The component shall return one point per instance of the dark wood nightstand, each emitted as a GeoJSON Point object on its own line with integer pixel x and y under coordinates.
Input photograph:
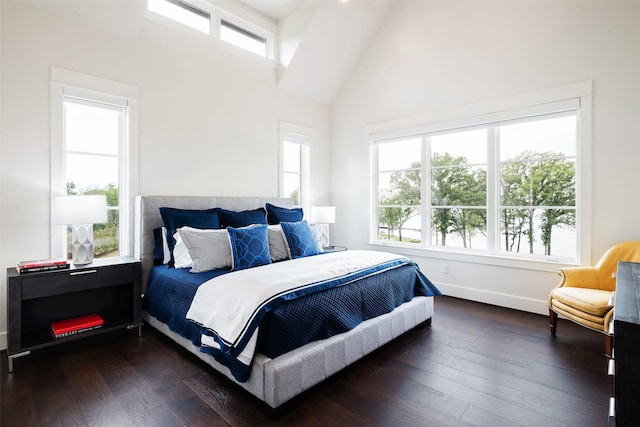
{"type": "Point", "coordinates": [109, 287]}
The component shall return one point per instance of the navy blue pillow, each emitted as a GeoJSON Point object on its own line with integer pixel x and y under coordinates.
{"type": "Point", "coordinates": [158, 249]}
{"type": "Point", "coordinates": [277, 214]}
{"type": "Point", "coordinates": [174, 218]}
{"type": "Point", "coordinates": [249, 246]}
{"type": "Point", "coordinates": [242, 219]}
{"type": "Point", "coordinates": [299, 239]}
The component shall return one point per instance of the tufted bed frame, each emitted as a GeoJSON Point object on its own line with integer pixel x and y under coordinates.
{"type": "Point", "coordinates": [276, 381]}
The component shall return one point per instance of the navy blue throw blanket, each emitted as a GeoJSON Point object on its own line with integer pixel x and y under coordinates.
{"type": "Point", "coordinates": [289, 325]}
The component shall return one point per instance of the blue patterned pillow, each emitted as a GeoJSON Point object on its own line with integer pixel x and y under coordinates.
{"type": "Point", "coordinates": [174, 218]}
{"type": "Point", "coordinates": [249, 246]}
{"type": "Point", "coordinates": [299, 239]}
{"type": "Point", "coordinates": [241, 219]}
{"type": "Point", "coordinates": [276, 214]}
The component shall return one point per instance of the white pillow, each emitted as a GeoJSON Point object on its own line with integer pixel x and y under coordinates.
{"type": "Point", "coordinates": [166, 254]}
{"type": "Point", "coordinates": [209, 249]}
{"type": "Point", "coordinates": [317, 236]}
{"type": "Point", "coordinates": [181, 257]}
{"type": "Point", "coordinates": [277, 244]}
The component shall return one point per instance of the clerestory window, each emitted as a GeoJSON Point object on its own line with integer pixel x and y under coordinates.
{"type": "Point", "coordinates": [256, 37]}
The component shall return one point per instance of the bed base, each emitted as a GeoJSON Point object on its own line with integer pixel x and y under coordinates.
{"type": "Point", "coordinates": [275, 381]}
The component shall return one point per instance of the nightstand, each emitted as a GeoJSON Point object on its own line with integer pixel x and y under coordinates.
{"type": "Point", "coordinates": [109, 287]}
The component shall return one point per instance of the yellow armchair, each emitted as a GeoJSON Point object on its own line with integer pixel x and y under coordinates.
{"type": "Point", "coordinates": [584, 293]}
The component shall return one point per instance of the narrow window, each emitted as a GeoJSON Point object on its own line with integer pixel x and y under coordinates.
{"type": "Point", "coordinates": [243, 38]}
{"type": "Point", "coordinates": [94, 151]}
{"type": "Point", "coordinates": [399, 190]}
{"type": "Point", "coordinates": [459, 189]}
{"type": "Point", "coordinates": [93, 133]}
{"type": "Point", "coordinates": [182, 12]}
{"type": "Point", "coordinates": [294, 163]}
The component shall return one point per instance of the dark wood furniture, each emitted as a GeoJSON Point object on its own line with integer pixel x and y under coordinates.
{"type": "Point", "coordinates": [626, 341]}
{"type": "Point", "coordinates": [110, 287]}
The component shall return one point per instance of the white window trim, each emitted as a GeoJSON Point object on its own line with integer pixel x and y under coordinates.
{"type": "Point", "coordinates": [302, 135]}
{"type": "Point", "coordinates": [496, 110]}
{"type": "Point", "coordinates": [235, 14]}
{"type": "Point", "coordinates": [65, 82]}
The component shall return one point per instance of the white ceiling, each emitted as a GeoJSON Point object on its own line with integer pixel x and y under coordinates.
{"type": "Point", "coordinates": [331, 34]}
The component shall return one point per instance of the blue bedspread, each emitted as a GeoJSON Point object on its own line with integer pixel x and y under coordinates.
{"type": "Point", "coordinates": [289, 325]}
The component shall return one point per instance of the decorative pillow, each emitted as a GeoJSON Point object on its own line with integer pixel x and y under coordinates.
{"type": "Point", "coordinates": [317, 236]}
{"type": "Point", "coordinates": [243, 218]}
{"type": "Point", "coordinates": [174, 218]}
{"type": "Point", "coordinates": [181, 257]}
{"type": "Point", "coordinates": [209, 249]}
{"type": "Point", "coordinates": [161, 253]}
{"type": "Point", "coordinates": [277, 244]}
{"type": "Point", "coordinates": [277, 214]}
{"type": "Point", "coordinates": [249, 246]}
{"type": "Point", "coordinates": [300, 242]}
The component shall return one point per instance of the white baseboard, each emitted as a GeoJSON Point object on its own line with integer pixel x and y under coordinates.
{"type": "Point", "coordinates": [495, 298]}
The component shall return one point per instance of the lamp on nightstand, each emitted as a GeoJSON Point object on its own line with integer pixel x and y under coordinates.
{"type": "Point", "coordinates": [322, 216]}
{"type": "Point", "coordinates": [81, 212]}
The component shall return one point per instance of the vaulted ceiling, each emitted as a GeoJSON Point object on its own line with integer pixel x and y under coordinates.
{"type": "Point", "coordinates": [320, 40]}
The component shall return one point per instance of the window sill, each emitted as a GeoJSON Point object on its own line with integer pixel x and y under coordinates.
{"type": "Point", "coordinates": [450, 254]}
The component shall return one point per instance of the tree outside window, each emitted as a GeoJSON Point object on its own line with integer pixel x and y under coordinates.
{"type": "Point", "coordinates": [528, 166]}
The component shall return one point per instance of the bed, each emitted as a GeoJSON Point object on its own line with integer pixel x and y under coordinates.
{"type": "Point", "coordinates": [277, 371]}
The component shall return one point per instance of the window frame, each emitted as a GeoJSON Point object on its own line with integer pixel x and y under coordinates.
{"type": "Point", "coordinates": [65, 83]}
{"type": "Point", "coordinates": [477, 115]}
{"type": "Point", "coordinates": [300, 135]}
{"type": "Point", "coordinates": [236, 16]}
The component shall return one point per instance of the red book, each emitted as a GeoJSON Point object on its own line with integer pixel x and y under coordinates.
{"type": "Point", "coordinates": [62, 328]}
{"type": "Point", "coordinates": [42, 263]}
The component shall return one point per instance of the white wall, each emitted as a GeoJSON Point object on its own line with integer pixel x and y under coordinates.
{"type": "Point", "coordinates": [208, 118]}
{"type": "Point", "coordinates": [431, 56]}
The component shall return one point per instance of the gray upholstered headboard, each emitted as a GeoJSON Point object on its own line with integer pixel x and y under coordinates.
{"type": "Point", "coordinates": [147, 217]}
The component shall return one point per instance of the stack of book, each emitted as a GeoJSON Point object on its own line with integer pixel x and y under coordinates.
{"type": "Point", "coordinates": [42, 265]}
{"type": "Point", "coordinates": [64, 328]}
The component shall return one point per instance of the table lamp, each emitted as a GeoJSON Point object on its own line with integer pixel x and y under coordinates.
{"type": "Point", "coordinates": [322, 216]}
{"type": "Point", "coordinates": [81, 212]}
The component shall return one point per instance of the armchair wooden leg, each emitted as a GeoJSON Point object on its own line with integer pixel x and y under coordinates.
{"type": "Point", "coordinates": [553, 322]}
{"type": "Point", "coordinates": [608, 345]}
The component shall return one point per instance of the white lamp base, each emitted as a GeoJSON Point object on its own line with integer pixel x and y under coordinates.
{"type": "Point", "coordinates": [324, 234]}
{"type": "Point", "coordinates": [82, 244]}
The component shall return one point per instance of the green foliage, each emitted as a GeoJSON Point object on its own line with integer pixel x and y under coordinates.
{"type": "Point", "coordinates": [105, 236]}
{"type": "Point", "coordinates": [533, 183]}
{"type": "Point", "coordinates": [455, 185]}
{"type": "Point", "coordinates": [403, 202]}
{"type": "Point", "coordinates": [538, 180]}
{"type": "Point", "coordinates": [295, 196]}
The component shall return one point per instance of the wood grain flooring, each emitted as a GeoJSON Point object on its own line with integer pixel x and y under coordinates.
{"type": "Point", "coordinates": [477, 365]}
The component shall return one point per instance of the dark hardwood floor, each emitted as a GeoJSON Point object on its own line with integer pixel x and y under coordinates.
{"type": "Point", "coordinates": [477, 365]}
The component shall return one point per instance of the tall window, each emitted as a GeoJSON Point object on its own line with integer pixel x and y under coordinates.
{"type": "Point", "coordinates": [93, 148]}
{"type": "Point", "coordinates": [294, 163]}
{"type": "Point", "coordinates": [93, 138]}
{"type": "Point", "coordinates": [503, 184]}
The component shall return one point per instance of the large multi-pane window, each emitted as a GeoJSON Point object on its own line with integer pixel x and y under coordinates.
{"type": "Point", "coordinates": [506, 186]}
{"type": "Point", "coordinates": [294, 163]}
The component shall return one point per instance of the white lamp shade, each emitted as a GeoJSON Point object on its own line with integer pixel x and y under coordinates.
{"type": "Point", "coordinates": [323, 214]}
{"type": "Point", "coordinates": [89, 209]}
